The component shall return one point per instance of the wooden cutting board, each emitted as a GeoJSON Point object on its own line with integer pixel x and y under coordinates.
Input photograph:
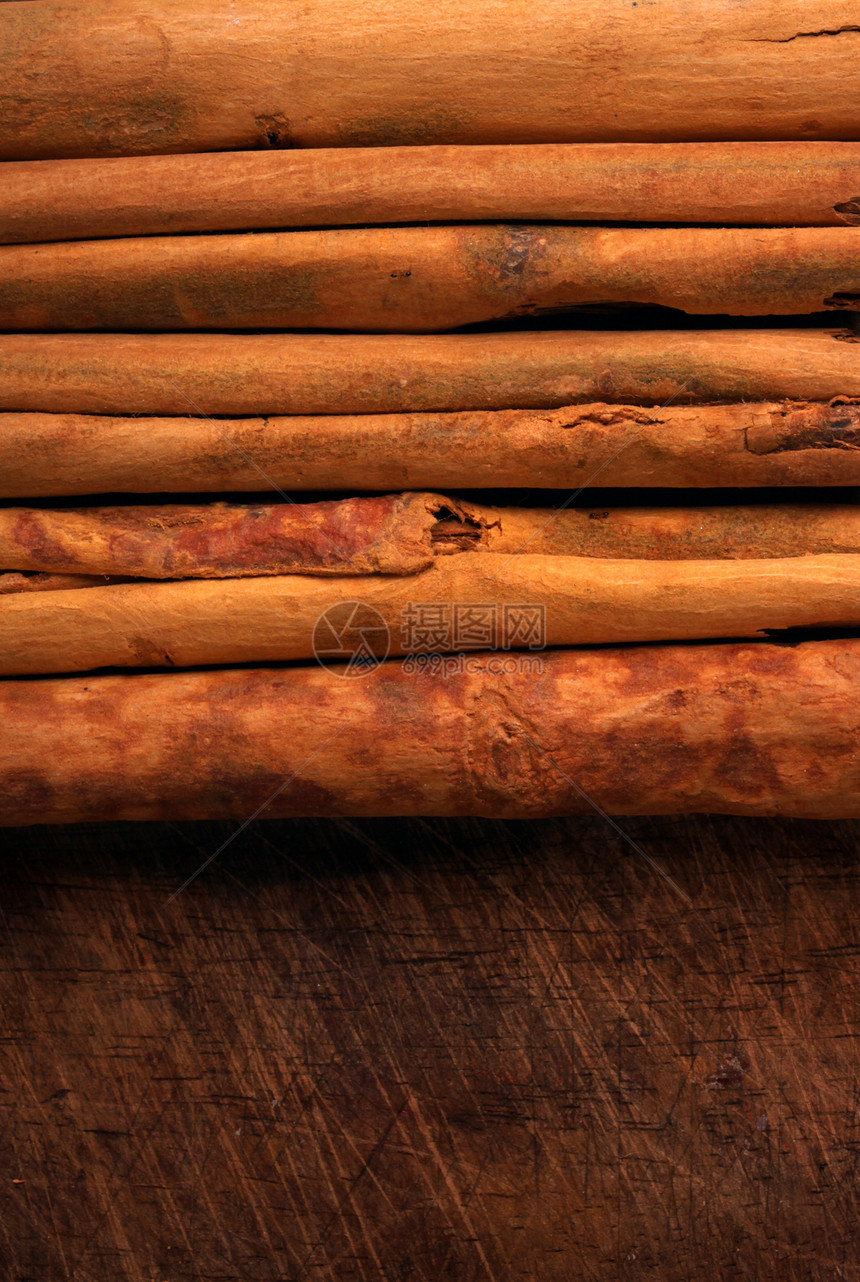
{"type": "Point", "coordinates": [430, 1049]}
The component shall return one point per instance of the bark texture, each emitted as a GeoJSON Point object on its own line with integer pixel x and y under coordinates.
{"type": "Point", "coordinates": [237, 374]}
{"type": "Point", "coordinates": [792, 184]}
{"type": "Point", "coordinates": [586, 601]}
{"type": "Point", "coordinates": [752, 729]}
{"type": "Point", "coordinates": [744, 444]}
{"type": "Point", "coordinates": [14, 581]}
{"type": "Point", "coordinates": [202, 75]}
{"type": "Point", "coordinates": [419, 279]}
{"type": "Point", "coordinates": [391, 535]}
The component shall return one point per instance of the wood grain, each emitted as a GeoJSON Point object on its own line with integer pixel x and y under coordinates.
{"type": "Point", "coordinates": [430, 1050]}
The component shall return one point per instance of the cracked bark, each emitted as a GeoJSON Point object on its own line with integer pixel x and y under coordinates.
{"type": "Point", "coordinates": [805, 35]}
{"type": "Point", "coordinates": [742, 444]}
{"type": "Point", "coordinates": [392, 535]}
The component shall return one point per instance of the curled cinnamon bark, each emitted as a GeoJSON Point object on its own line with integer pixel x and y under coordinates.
{"type": "Point", "coordinates": [198, 75]}
{"type": "Point", "coordinates": [390, 534]}
{"type": "Point", "coordinates": [744, 444]}
{"type": "Point", "coordinates": [790, 184]}
{"type": "Point", "coordinates": [398, 534]}
{"type": "Point", "coordinates": [419, 279]}
{"type": "Point", "coordinates": [238, 374]}
{"type": "Point", "coordinates": [752, 729]}
{"type": "Point", "coordinates": [571, 600]}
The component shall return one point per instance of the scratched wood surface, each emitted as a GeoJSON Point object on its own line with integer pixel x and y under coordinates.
{"type": "Point", "coordinates": [430, 1049]}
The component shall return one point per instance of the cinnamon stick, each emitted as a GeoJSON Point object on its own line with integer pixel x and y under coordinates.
{"type": "Point", "coordinates": [200, 75]}
{"type": "Point", "coordinates": [751, 729]}
{"type": "Point", "coordinates": [238, 374]}
{"type": "Point", "coordinates": [15, 581]}
{"type": "Point", "coordinates": [391, 534]}
{"type": "Point", "coordinates": [395, 535]}
{"type": "Point", "coordinates": [792, 184]}
{"type": "Point", "coordinates": [584, 601]}
{"type": "Point", "coordinates": [414, 279]}
{"type": "Point", "coordinates": [743, 444]}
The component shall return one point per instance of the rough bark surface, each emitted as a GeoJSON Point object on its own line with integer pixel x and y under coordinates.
{"type": "Point", "coordinates": [584, 600]}
{"type": "Point", "coordinates": [744, 444]}
{"type": "Point", "coordinates": [230, 374]}
{"type": "Point", "coordinates": [752, 729]}
{"type": "Point", "coordinates": [201, 75]}
{"type": "Point", "coordinates": [14, 581]}
{"type": "Point", "coordinates": [420, 279]}
{"type": "Point", "coordinates": [791, 184]}
{"type": "Point", "coordinates": [391, 535]}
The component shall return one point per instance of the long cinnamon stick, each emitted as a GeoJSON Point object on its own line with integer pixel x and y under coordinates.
{"type": "Point", "coordinates": [570, 601]}
{"type": "Point", "coordinates": [395, 534]}
{"type": "Point", "coordinates": [230, 374]}
{"type": "Point", "coordinates": [201, 75]}
{"type": "Point", "coordinates": [744, 444]}
{"type": "Point", "coordinates": [414, 279]}
{"type": "Point", "coordinates": [792, 184]}
{"type": "Point", "coordinates": [751, 729]}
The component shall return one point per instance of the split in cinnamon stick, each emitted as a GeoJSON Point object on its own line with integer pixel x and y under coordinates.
{"type": "Point", "coordinates": [572, 600]}
{"type": "Point", "coordinates": [420, 279]}
{"type": "Point", "coordinates": [395, 535]}
{"type": "Point", "coordinates": [238, 374]}
{"type": "Point", "coordinates": [203, 75]}
{"type": "Point", "coordinates": [791, 184]}
{"type": "Point", "coordinates": [743, 444]}
{"type": "Point", "coordinates": [751, 729]}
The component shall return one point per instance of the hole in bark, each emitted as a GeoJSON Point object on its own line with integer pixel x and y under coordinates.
{"type": "Point", "coordinates": [849, 210]}
{"type": "Point", "coordinates": [837, 434]}
{"type": "Point", "coordinates": [453, 528]}
{"type": "Point", "coordinates": [274, 130]}
{"type": "Point", "coordinates": [851, 301]}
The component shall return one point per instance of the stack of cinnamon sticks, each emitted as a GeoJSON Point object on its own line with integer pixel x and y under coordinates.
{"type": "Point", "coordinates": [244, 432]}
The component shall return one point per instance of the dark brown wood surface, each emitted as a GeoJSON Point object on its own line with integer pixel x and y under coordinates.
{"type": "Point", "coordinates": [430, 1049]}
